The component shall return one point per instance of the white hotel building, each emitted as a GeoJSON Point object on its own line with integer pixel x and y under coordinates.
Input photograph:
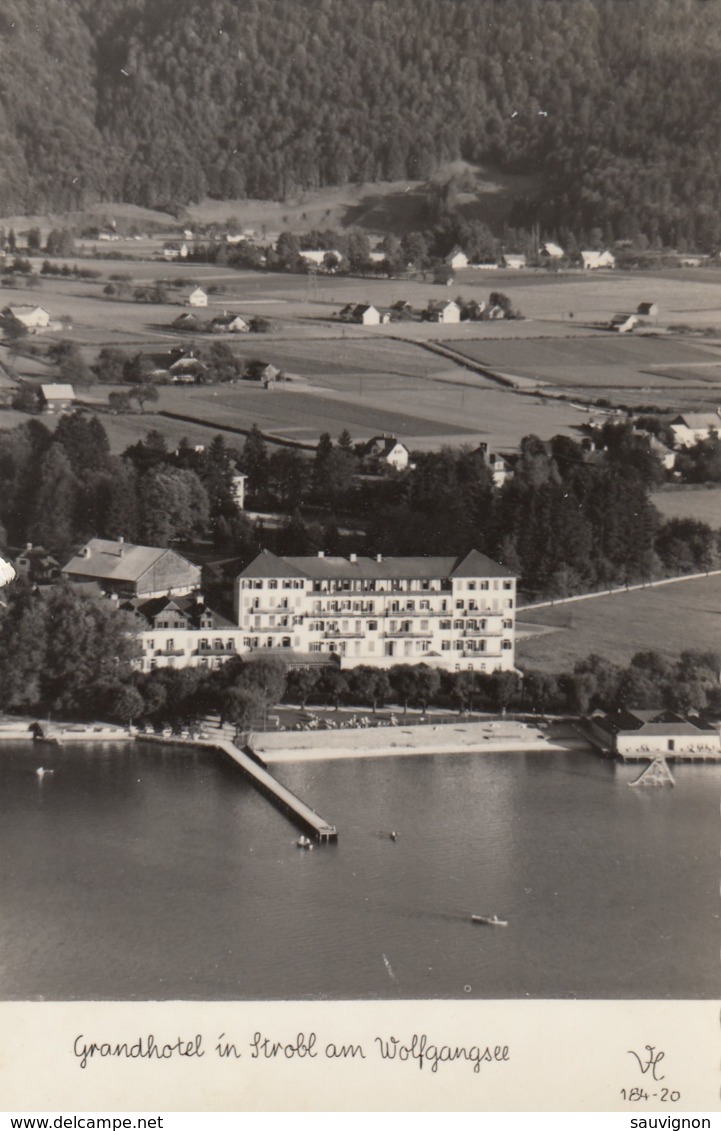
{"type": "Point", "coordinates": [454, 613]}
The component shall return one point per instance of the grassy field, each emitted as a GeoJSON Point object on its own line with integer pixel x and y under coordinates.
{"type": "Point", "coordinates": [382, 379]}
{"type": "Point", "coordinates": [669, 619]}
{"type": "Point", "coordinates": [703, 504]}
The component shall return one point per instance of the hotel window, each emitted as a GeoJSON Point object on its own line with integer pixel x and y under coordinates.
{"type": "Point", "coordinates": [203, 661]}
{"type": "Point", "coordinates": [204, 643]}
{"type": "Point", "coordinates": [314, 646]}
{"type": "Point", "coordinates": [506, 645]}
{"type": "Point", "coordinates": [372, 625]}
{"type": "Point", "coordinates": [217, 644]}
{"type": "Point", "coordinates": [508, 624]}
{"type": "Point", "coordinates": [458, 645]}
{"type": "Point", "coordinates": [410, 606]}
{"type": "Point", "coordinates": [247, 642]}
{"type": "Point", "coordinates": [508, 585]}
{"type": "Point", "coordinates": [446, 624]}
{"type": "Point", "coordinates": [459, 604]}
{"type": "Point", "coordinates": [149, 645]}
{"type": "Point", "coordinates": [424, 626]}
{"type": "Point", "coordinates": [153, 664]}
{"type": "Point", "coordinates": [344, 625]}
{"type": "Point", "coordinates": [445, 646]}
{"type": "Point", "coordinates": [273, 584]}
{"type": "Point", "coordinates": [484, 585]}
{"type": "Point", "coordinates": [458, 624]}
{"type": "Point", "coordinates": [471, 585]}
{"type": "Point", "coordinates": [508, 604]}
{"type": "Point", "coordinates": [425, 605]}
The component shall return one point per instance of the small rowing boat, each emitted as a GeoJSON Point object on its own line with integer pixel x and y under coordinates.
{"type": "Point", "coordinates": [489, 920]}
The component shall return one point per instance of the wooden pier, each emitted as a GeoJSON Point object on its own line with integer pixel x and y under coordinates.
{"type": "Point", "coordinates": [283, 798]}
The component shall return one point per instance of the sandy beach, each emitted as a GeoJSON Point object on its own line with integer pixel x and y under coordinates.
{"type": "Point", "coordinates": [443, 738]}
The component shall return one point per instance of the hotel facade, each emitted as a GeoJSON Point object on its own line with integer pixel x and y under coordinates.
{"type": "Point", "coordinates": [448, 612]}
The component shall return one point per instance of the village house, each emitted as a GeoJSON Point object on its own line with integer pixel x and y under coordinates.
{"type": "Point", "coordinates": [56, 398]}
{"type": "Point", "coordinates": [457, 259]}
{"type": "Point", "coordinates": [550, 250]}
{"type": "Point", "coordinates": [37, 565]}
{"type": "Point", "coordinates": [191, 323]}
{"type": "Point", "coordinates": [382, 452]}
{"type": "Point", "coordinates": [456, 613]}
{"type": "Point", "coordinates": [663, 453]}
{"type": "Point", "coordinates": [363, 314]}
{"type": "Point", "coordinates": [183, 632]}
{"type": "Point", "coordinates": [401, 311]}
{"type": "Point", "coordinates": [238, 483]}
{"type": "Point", "coordinates": [500, 467]}
{"type": "Point", "coordinates": [623, 323]}
{"type": "Point", "coordinates": [446, 312]}
{"type": "Point", "coordinates": [636, 735]}
{"type": "Point", "coordinates": [514, 262]}
{"type": "Point", "coordinates": [195, 297]}
{"type": "Point", "coordinates": [647, 310]}
{"type": "Point", "coordinates": [228, 324]}
{"type": "Point", "coordinates": [132, 571]}
{"type": "Point", "coordinates": [33, 318]}
{"type": "Point", "coordinates": [175, 251]}
{"type": "Point", "coordinates": [594, 260]}
{"type": "Point", "coordinates": [690, 427]}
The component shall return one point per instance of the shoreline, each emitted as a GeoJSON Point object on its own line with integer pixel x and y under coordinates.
{"type": "Point", "coordinates": [383, 742]}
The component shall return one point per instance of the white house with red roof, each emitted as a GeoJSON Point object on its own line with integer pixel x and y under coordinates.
{"type": "Point", "coordinates": [456, 613]}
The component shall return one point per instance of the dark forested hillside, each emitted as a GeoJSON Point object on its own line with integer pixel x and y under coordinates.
{"type": "Point", "coordinates": [160, 102]}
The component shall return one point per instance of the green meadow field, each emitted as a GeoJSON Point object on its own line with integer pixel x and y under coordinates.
{"type": "Point", "coordinates": [668, 619]}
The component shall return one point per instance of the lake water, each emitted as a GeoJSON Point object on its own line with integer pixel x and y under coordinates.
{"type": "Point", "coordinates": [160, 873]}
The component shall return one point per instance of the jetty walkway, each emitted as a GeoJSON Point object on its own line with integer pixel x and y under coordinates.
{"type": "Point", "coordinates": [283, 798]}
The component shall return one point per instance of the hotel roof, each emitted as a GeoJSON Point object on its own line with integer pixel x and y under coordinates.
{"type": "Point", "coordinates": [473, 564]}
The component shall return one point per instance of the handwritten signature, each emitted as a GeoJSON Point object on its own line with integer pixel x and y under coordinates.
{"type": "Point", "coordinates": [649, 1061]}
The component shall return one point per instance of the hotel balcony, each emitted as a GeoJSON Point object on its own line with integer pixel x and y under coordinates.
{"type": "Point", "coordinates": [170, 651]}
{"type": "Point", "coordinates": [211, 650]}
{"type": "Point", "coordinates": [352, 633]}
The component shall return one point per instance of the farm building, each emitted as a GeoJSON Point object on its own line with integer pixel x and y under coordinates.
{"type": "Point", "coordinates": [456, 613]}
{"type": "Point", "coordinates": [133, 571]}
{"type": "Point", "coordinates": [457, 259]}
{"type": "Point", "coordinates": [188, 321]}
{"type": "Point", "coordinates": [56, 398]}
{"type": "Point", "coordinates": [362, 313]}
{"type": "Point", "coordinates": [690, 427]}
{"type": "Point", "coordinates": [514, 262]}
{"type": "Point", "coordinates": [385, 451]}
{"type": "Point", "coordinates": [445, 312]}
{"type": "Point", "coordinates": [401, 311]}
{"type": "Point", "coordinates": [593, 260]}
{"type": "Point", "coordinates": [229, 324]}
{"type": "Point", "coordinates": [642, 735]}
{"type": "Point", "coordinates": [31, 317]}
{"type": "Point", "coordinates": [623, 323]}
{"type": "Point", "coordinates": [550, 250]}
{"type": "Point", "coordinates": [647, 310]}
{"type": "Point", "coordinates": [195, 297]}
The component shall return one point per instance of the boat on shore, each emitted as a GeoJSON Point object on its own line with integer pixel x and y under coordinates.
{"type": "Point", "coordinates": [489, 920]}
